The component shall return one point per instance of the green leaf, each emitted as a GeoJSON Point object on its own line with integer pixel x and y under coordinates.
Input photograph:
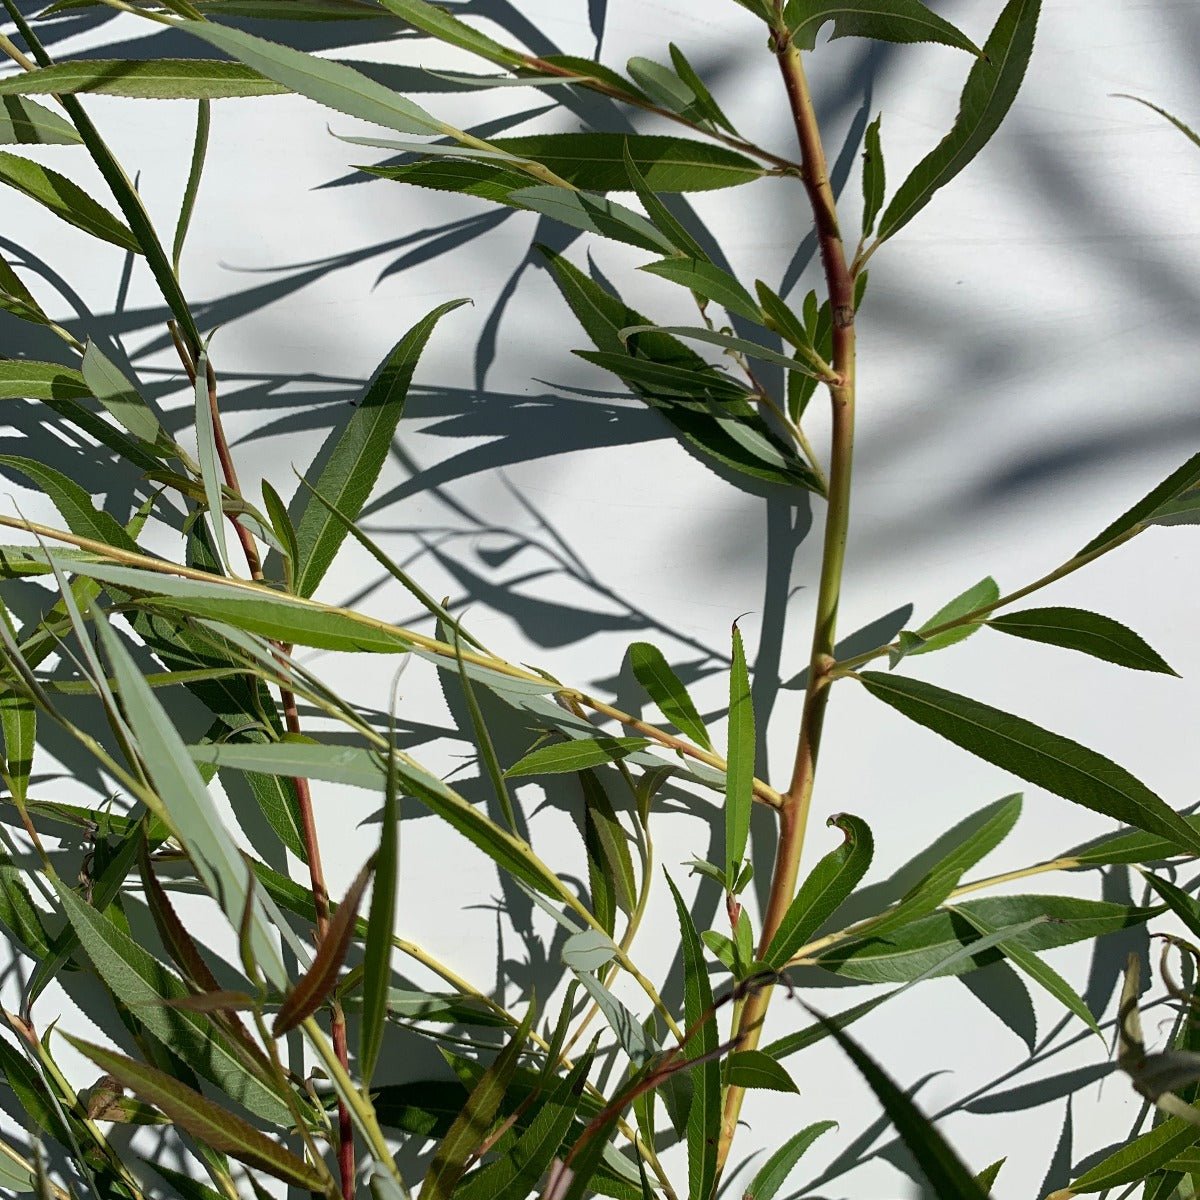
{"type": "Point", "coordinates": [566, 757]}
{"type": "Point", "coordinates": [983, 594]}
{"type": "Point", "coordinates": [699, 384]}
{"type": "Point", "coordinates": [988, 94]}
{"type": "Point", "coordinates": [471, 1125]}
{"type": "Point", "coordinates": [772, 1175]}
{"type": "Point", "coordinates": [144, 79]}
{"type": "Point", "coordinates": [332, 84]}
{"type": "Point", "coordinates": [588, 950]}
{"type": "Point", "coordinates": [1087, 632]}
{"type": "Point", "coordinates": [730, 433]}
{"type": "Point", "coordinates": [727, 342]}
{"type": "Point", "coordinates": [662, 85]}
{"type": "Point", "coordinates": [252, 608]}
{"type": "Point", "coordinates": [660, 215]}
{"type": "Point", "coordinates": [595, 162]}
{"type": "Point", "coordinates": [310, 991]}
{"type": "Point", "coordinates": [487, 180]}
{"type": "Point", "coordinates": [1046, 759]}
{"type": "Point", "coordinates": [873, 177]}
{"type": "Point", "coordinates": [666, 689]}
{"type": "Point", "coordinates": [381, 922]}
{"type": "Point", "coordinates": [943, 1168]}
{"type": "Point", "coordinates": [144, 986]}
{"type": "Point", "coordinates": [822, 893]}
{"type": "Point", "coordinates": [356, 454]}
{"type": "Point", "coordinates": [66, 200]}
{"type": "Point", "coordinates": [703, 105]}
{"type": "Point", "coordinates": [101, 378]}
{"type": "Point", "coordinates": [709, 281]}
{"type": "Point", "coordinates": [882, 20]}
{"type": "Point", "coordinates": [73, 503]}
{"type": "Point", "coordinates": [987, 1177]}
{"type": "Point", "coordinates": [438, 23]}
{"type": "Point", "coordinates": [1185, 907]}
{"type": "Point", "coordinates": [1186, 130]}
{"type": "Point", "coordinates": [924, 943]}
{"type": "Point", "coordinates": [209, 1123]}
{"type": "Point", "coordinates": [739, 773]}
{"type": "Point", "coordinates": [1126, 847]}
{"type": "Point", "coordinates": [1049, 979]}
{"type": "Point", "coordinates": [784, 322]}
{"type": "Point", "coordinates": [210, 469]}
{"type": "Point", "coordinates": [703, 1036]}
{"type": "Point", "coordinates": [971, 840]}
{"type": "Point", "coordinates": [940, 965]}
{"type": "Point", "coordinates": [1157, 506]}
{"type": "Point", "coordinates": [1136, 1159]}
{"type": "Point", "coordinates": [185, 806]}
{"type": "Point", "coordinates": [754, 1069]}
{"type": "Point", "coordinates": [592, 214]}
{"type": "Point", "coordinates": [609, 862]}
{"type": "Point", "coordinates": [27, 123]}
{"type": "Point", "coordinates": [516, 1174]}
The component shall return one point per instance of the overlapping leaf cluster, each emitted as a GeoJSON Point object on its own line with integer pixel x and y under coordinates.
{"type": "Point", "coordinates": [250, 1064]}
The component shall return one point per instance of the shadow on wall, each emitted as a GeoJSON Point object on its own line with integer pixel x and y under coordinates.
{"type": "Point", "coordinates": [501, 430]}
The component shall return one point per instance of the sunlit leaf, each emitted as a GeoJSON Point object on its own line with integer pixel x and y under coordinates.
{"type": "Point", "coordinates": [1047, 759]}
{"type": "Point", "coordinates": [987, 96]}
{"type": "Point", "coordinates": [704, 1115]}
{"type": "Point", "coordinates": [27, 123]}
{"type": "Point", "coordinates": [143, 79]}
{"type": "Point", "coordinates": [754, 1069]}
{"type": "Point", "coordinates": [310, 991]}
{"type": "Point", "coordinates": [66, 200]}
{"type": "Point", "coordinates": [667, 690]}
{"type": "Point", "coordinates": [829, 883]}
{"type": "Point", "coordinates": [1180, 490]}
{"type": "Point", "coordinates": [739, 775]}
{"type": "Point", "coordinates": [354, 456]}
{"type": "Point", "coordinates": [883, 20]}
{"type": "Point", "coordinates": [211, 1124]}
{"type": "Point", "coordinates": [563, 757]}
{"type": "Point", "coordinates": [773, 1174]}
{"type": "Point", "coordinates": [873, 177]}
{"type": "Point", "coordinates": [1087, 632]}
{"type": "Point", "coordinates": [709, 281]}
{"type": "Point", "coordinates": [983, 594]}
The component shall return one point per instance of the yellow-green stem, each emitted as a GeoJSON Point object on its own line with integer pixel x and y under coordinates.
{"type": "Point", "coordinates": [794, 812]}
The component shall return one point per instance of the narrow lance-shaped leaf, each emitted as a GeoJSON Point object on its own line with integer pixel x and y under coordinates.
{"type": "Point", "coordinates": [1187, 131]}
{"type": "Point", "coordinates": [704, 1115]}
{"type": "Point", "coordinates": [332, 84]}
{"type": "Point", "coordinates": [1180, 489]}
{"type": "Point", "coordinates": [983, 594]}
{"type": "Point", "coordinates": [659, 214]}
{"type": "Point", "coordinates": [709, 281]}
{"type": "Point", "coordinates": [1087, 632]}
{"type": "Point", "coordinates": [1035, 754]}
{"type": "Point", "coordinates": [27, 123]}
{"type": "Point", "coordinates": [143, 79]}
{"type": "Point", "coordinates": [210, 469]}
{"type": "Point", "coordinates": [438, 23]}
{"type": "Point", "coordinates": [120, 397]}
{"type": "Point", "coordinates": [471, 1125]}
{"type": "Point", "coordinates": [183, 802]}
{"type": "Point", "coordinates": [1041, 973]}
{"type": "Point", "coordinates": [141, 983]}
{"type": "Point", "coordinates": [568, 757]}
{"type": "Point", "coordinates": [381, 923]}
{"type": "Point", "coordinates": [608, 848]}
{"type": "Point", "coordinates": [358, 454]}
{"type": "Point", "coordinates": [772, 1175]}
{"type": "Point", "coordinates": [822, 893]}
{"type": "Point", "coordinates": [651, 669]}
{"type": "Point", "coordinates": [739, 774]}
{"type": "Point", "coordinates": [65, 199]}
{"type": "Point", "coordinates": [211, 1124]}
{"type": "Point", "coordinates": [970, 840]}
{"type": "Point", "coordinates": [705, 106]}
{"type": "Point", "coordinates": [754, 1069]}
{"type": "Point", "coordinates": [595, 162]}
{"type": "Point", "coordinates": [946, 1172]}
{"type": "Point", "coordinates": [515, 1175]}
{"type": "Point", "coordinates": [311, 989]}
{"type": "Point", "coordinates": [18, 725]}
{"type": "Point", "coordinates": [873, 177]}
{"type": "Point", "coordinates": [895, 21]}
{"type": "Point", "coordinates": [987, 96]}
{"type": "Point", "coordinates": [73, 503]}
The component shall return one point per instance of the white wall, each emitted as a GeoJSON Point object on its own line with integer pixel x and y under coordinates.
{"type": "Point", "coordinates": [1029, 368]}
